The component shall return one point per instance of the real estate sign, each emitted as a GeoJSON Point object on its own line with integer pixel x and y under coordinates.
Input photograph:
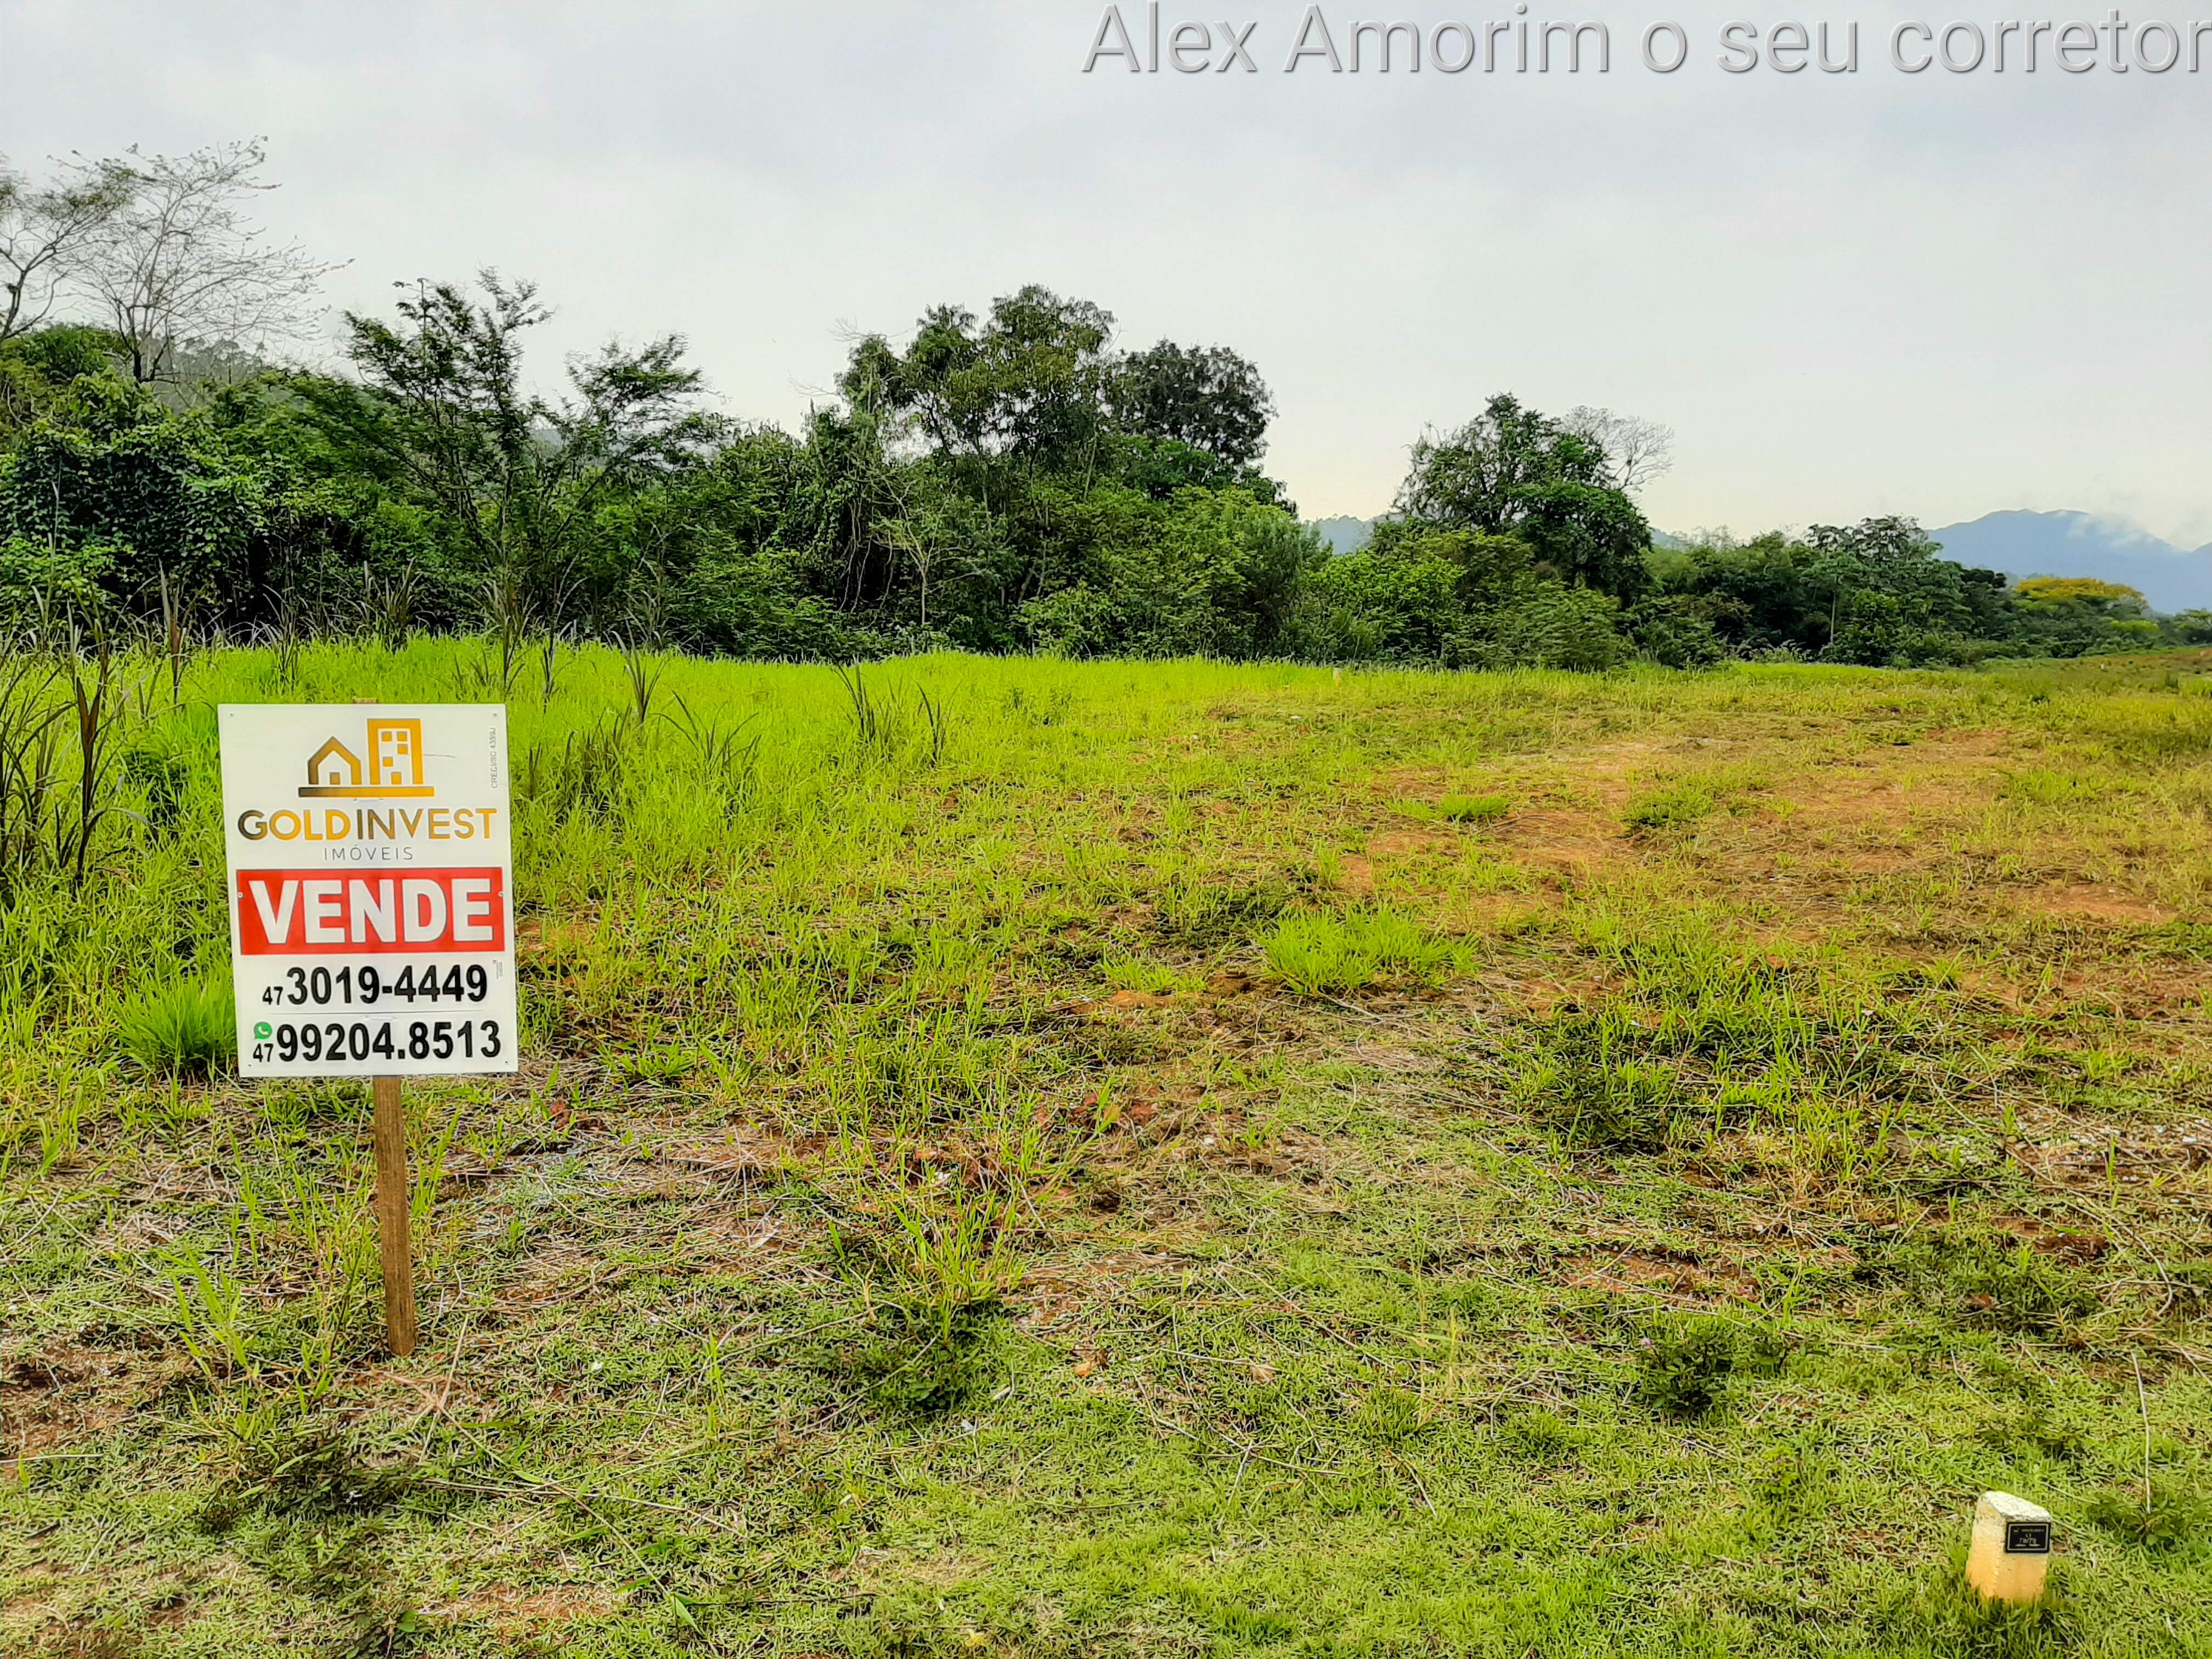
{"type": "Point", "coordinates": [371, 876]}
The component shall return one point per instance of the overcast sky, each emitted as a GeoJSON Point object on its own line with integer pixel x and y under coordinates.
{"type": "Point", "coordinates": [1939, 295]}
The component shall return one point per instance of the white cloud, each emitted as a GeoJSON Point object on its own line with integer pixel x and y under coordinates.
{"type": "Point", "coordinates": [1848, 294]}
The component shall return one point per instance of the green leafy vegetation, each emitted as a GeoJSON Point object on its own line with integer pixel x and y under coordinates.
{"type": "Point", "coordinates": [1677, 806]}
{"type": "Point", "coordinates": [1592, 1089]}
{"type": "Point", "coordinates": [1016, 478]}
{"type": "Point", "coordinates": [2171, 1517]}
{"type": "Point", "coordinates": [1683, 1364]}
{"type": "Point", "coordinates": [1015, 1154]}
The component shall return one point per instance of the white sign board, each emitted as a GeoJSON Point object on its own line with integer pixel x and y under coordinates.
{"type": "Point", "coordinates": [372, 887]}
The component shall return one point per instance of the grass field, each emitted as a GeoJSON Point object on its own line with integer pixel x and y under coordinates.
{"type": "Point", "coordinates": [1021, 1156]}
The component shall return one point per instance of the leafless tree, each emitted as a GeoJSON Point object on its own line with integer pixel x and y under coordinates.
{"type": "Point", "coordinates": [44, 234]}
{"type": "Point", "coordinates": [1637, 451]}
{"type": "Point", "coordinates": [180, 264]}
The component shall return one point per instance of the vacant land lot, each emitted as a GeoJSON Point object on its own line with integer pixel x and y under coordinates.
{"type": "Point", "coordinates": [1017, 1157]}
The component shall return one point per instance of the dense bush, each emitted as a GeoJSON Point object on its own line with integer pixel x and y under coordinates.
{"type": "Point", "coordinates": [1005, 482]}
{"type": "Point", "coordinates": [1879, 593]}
{"type": "Point", "coordinates": [1212, 573]}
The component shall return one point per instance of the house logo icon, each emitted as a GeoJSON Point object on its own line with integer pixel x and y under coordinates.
{"type": "Point", "coordinates": [394, 766]}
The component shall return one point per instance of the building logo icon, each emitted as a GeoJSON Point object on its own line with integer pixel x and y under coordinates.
{"type": "Point", "coordinates": [394, 767]}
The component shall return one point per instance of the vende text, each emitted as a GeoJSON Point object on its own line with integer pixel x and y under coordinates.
{"type": "Point", "coordinates": [293, 912]}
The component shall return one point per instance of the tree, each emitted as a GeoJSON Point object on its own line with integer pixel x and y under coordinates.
{"type": "Point", "coordinates": [1458, 599]}
{"type": "Point", "coordinates": [1589, 535]}
{"type": "Point", "coordinates": [1637, 451]}
{"type": "Point", "coordinates": [1207, 397]}
{"type": "Point", "coordinates": [37, 369]}
{"type": "Point", "coordinates": [1162, 467]}
{"type": "Point", "coordinates": [151, 504]}
{"type": "Point", "coordinates": [177, 264]}
{"type": "Point", "coordinates": [1513, 470]}
{"type": "Point", "coordinates": [1478, 477]}
{"type": "Point", "coordinates": [1028, 383]}
{"type": "Point", "coordinates": [2087, 592]}
{"type": "Point", "coordinates": [446, 420]}
{"type": "Point", "coordinates": [45, 232]}
{"type": "Point", "coordinates": [1759, 595]}
{"type": "Point", "coordinates": [1874, 592]}
{"type": "Point", "coordinates": [1213, 573]}
{"type": "Point", "coordinates": [2067, 616]}
{"type": "Point", "coordinates": [2193, 627]}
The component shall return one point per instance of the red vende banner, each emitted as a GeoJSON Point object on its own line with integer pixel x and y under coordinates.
{"type": "Point", "coordinates": [305, 913]}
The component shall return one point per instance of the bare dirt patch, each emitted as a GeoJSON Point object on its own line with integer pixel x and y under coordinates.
{"type": "Point", "coordinates": [1579, 843]}
{"type": "Point", "coordinates": [62, 1393]}
{"type": "Point", "coordinates": [2107, 904]}
{"type": "Point", "coordinates": [1623, 1272]}
{"type": "Point", "coordinates": [513, 1610]}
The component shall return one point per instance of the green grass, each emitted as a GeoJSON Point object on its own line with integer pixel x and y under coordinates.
{"type": "Point", "coordinates": [184, 1029]}
{"type": "Point", "coordinates": [1677, 806]}
{"type": "Point", "coordinates": [1034, 1157]}
{"type": "Point", "coordinates": [1472, 809]}
{"type": "Point", "coordinates": [1319, 955]}
{"type": "Point", "coordinates": [1153, 978]}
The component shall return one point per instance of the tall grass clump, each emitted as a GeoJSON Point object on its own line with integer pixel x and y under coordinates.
{"type": "Point", "coordinates": [61, 713]}
{"type": "Point", "coordinates": [1203, 917]}
{"type": "Point", "coordinates": [1818, 1046]}
{"type": "Point", "coordinates": [584, 776]}
{"type": "Point", "coordinates": [884, 732]}
{"type": "Point", "coordinates": [1318, 955]}
{"type": "Point", "coordinates": [1472, 809]}
{"type": "Point", "coordinates": [935, 1280]}
{"type": "Point", "coordinates": [182, 1029]}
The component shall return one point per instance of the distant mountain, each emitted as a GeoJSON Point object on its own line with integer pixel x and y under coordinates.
{"type": "Point", "coordinates": [1348, 535]}
{"type": "Point", "coordinates": [1343, 534]}
{"type": "Point", "coordinates": [2083, 544]}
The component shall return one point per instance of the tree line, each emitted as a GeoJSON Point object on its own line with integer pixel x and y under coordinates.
{"type": "Point", "coordinates": [1005, 480]}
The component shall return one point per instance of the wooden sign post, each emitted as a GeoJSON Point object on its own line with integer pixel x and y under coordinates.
{"type": "Point", "coordinates": [395, 1248]}
{"type": "Point", "coordinates": [372, 916]}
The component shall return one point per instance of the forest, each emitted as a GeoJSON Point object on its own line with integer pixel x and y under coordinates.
{"type": "Point", "coordinates": [1010, 480]}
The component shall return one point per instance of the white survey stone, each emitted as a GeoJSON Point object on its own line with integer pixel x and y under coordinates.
{"type": "Point", "coordinates": [2011, 1553]}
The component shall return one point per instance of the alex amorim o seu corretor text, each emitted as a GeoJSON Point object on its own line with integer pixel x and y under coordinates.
{"type": "Point", "coordinates": [1142, 41]}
